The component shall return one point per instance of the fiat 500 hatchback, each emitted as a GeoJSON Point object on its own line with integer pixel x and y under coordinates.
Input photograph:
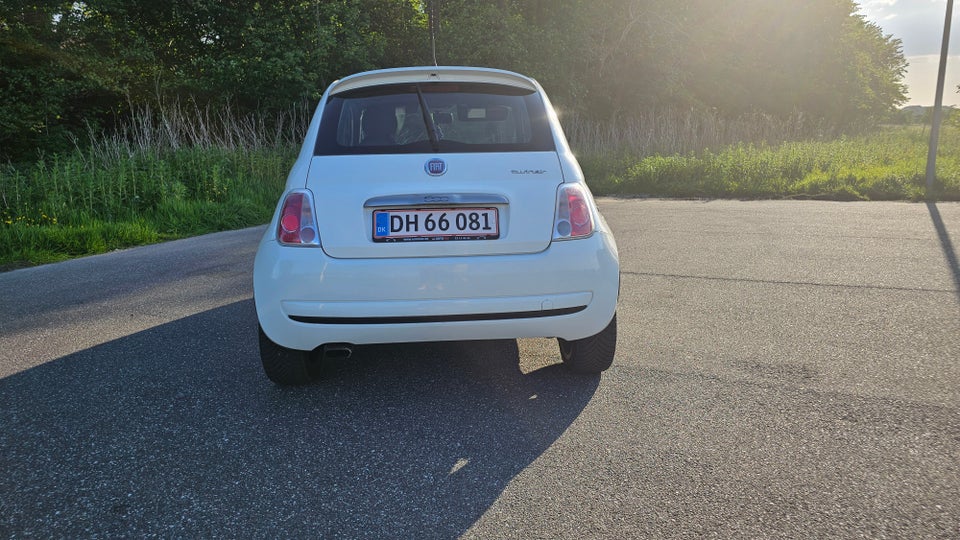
{"type": "Point", "coordinates": [434, 204]}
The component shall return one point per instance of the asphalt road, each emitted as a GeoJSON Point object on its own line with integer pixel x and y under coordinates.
{"type": "Point", "coordinates": [784, 369]}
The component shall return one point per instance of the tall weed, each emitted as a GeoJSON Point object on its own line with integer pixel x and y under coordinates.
{"type": "Point", "coordinates": [888, 164]}
{"type": "Point", "coordinates": [176, 170]}
{"type": "Point", "coordinates": [686, 131]}
{"type": "Point", "coordinates": [177, 173]}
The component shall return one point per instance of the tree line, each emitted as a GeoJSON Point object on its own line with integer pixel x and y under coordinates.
{"type": "Point", "coordinates": [69, 67]}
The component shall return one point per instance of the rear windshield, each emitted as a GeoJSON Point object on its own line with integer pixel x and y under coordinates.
{"type": "Point", "coordinates": [434, 117]}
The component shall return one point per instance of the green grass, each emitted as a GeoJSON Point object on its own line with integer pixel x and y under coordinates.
{"type": "Point", "coordinates": [888, 164]}
{"type": "Point", "coordinates": [117, 194]}
{"type": "Point", "coordinates": [86, 203]}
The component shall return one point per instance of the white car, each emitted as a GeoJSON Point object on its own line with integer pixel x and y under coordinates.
{"type": "Point", "coordinates": [434, 204]}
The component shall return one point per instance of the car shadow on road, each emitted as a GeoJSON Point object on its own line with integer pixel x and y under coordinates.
{"type": "Point", "coordinates": [175, 431]}
{"type": "Point", "coordinates": [946, 244]}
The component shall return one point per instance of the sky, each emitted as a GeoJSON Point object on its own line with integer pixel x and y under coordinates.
{"type": "Point", "coordinates": [919, 25]}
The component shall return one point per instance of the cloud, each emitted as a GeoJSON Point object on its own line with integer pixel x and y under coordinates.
{"type": "Point", "coordinates": [919, 25]}
{"type": "Point", "coordinates": [876, 9]}
{"type": "Point", "coordinates": [877, 4]}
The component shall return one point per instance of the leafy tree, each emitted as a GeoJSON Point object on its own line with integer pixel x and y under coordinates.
{"type": "Point", "coordinates": [814, 56]}
{"type": "Point", "coordinates": [50, 87]}
{"type": "Point", "coordinates": [254, 54]}
{"type": "Point", "coordinates": [612, 58]}
{"type": "Point", "coordinates": [66, 64]}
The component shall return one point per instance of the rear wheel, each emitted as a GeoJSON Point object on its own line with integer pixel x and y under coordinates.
{"type": "Point", "coordinates": [284, 366]}
{"type": "Point", "coordinates": [591, 354]}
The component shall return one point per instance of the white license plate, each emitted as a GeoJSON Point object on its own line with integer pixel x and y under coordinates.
{"type": "Point", "coordinates": [435, 224]}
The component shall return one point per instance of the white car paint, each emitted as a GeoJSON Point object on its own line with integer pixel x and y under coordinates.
{"type": "Point", "coordinates": [350, 289]}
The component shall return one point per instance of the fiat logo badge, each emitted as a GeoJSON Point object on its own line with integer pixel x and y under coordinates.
{"type": "Point", "coordinates": [435, 167]}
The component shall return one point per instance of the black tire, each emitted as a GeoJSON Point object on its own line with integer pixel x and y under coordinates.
{"type": "Point", "coordinates": [287, 367]}
{"type": "Point", "coordinates": [592, 354]}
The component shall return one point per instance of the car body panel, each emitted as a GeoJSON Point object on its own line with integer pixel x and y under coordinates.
{"type": "Point", "coordinates": [343, 185]}
{"type": "Point", "coordinates": [351, 289]}
{"type": "Point", "coordinates": [306, 282]}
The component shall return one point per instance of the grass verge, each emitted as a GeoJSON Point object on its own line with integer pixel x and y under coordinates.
{"type": "Point", "coordinates": [888, 164]}
{"type": "Point", "coordinates": [84, 203]}
{"type": "Point", "coordinates": [120, 194]}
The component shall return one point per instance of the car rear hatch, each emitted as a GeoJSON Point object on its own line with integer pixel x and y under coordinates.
{"type": "Point", "coordinates": [430, 163]}
{"type": "Point", "coordinates": [426, 205]}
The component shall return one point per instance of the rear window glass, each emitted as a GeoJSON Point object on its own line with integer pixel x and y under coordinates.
{"type": "Point", "coordinates": [434, 118]}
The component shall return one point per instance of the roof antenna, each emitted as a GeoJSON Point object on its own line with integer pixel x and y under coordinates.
{"type": "Point", "coordinates": [432, 23]}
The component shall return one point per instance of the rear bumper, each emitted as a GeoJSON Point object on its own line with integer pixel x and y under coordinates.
{"type": "Point", "coordinates": [305, 299]}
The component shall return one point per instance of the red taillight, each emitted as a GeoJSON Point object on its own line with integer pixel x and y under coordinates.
{"type": "Point", "coordinates": [290, 221]}
{"type": "Point", "coordinates": [579, 215]}
{"type": "Point", "coordinates": [574, 218]}
{"type": "Point", "coordinates": [296, 225]}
